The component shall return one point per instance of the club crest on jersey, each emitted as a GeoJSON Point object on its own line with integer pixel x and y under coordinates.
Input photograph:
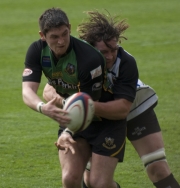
{"type": "Point", "coordinates": [109, 143]}
{"type": "Point", "coordinates": [27, 72]}
{"type": "Point", "coordinates": [70, 69]}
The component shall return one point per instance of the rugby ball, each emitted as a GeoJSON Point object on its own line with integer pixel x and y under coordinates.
{"type": "Point", "coordinates": [80, 108]}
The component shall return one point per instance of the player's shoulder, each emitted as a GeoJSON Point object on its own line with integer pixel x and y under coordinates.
{"type": "Point", "coordinates": [85, 49]}
{"type": "Point", "coordinates": [126, 56]}
{"type": "Point", "coordinates": [38, 44]}
{"type": "Point", "coordinates": [80, 43]}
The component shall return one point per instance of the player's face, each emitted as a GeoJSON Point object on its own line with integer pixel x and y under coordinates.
{"type": "Point", "coordinates": [110, 54]}
{"type": "Point", "coordinates": [58, 39]}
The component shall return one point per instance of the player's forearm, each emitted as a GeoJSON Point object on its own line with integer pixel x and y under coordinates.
{"type": "Point", "coordinates": [30, 98]}
{"type": "Point", "coordinates": [49, 93]}
{"type": "Point", "coordinates": [114, 110]}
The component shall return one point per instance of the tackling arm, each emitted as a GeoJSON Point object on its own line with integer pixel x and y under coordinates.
{"type": "Point", "coordinates": [114, 110]}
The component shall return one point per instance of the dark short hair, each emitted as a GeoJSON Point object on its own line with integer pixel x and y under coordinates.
{"type": "Point", "coordinates": [52, 18]}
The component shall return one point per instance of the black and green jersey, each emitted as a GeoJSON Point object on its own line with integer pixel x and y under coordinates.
{"type": "Point", "coordinates": [82, 68]}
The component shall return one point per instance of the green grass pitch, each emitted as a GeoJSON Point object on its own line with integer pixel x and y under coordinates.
{"type": "Point", "coordinates": [28, 157]}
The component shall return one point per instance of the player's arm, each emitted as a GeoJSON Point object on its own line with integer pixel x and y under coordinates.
{"type": "Point", "coordinates": [124, 92]}
{"type": "Point", "coordinates": [114, 110]}
{"type": "Point", "coordinates": [49, 93]}
{"type": "Point", "coordinates": [31, 79]}
{"type": "Point", "coordinates": [31, 99]}
{"type": "Point", "coordinates": [29, 93]}
{"type": "Point", "coordinates": [32, 76]}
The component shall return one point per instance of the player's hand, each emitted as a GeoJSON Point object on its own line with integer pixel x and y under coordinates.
{"type": "Point", "coordinates": [50, 109]}
{"type": "Point", "coordinates": [66, 142]}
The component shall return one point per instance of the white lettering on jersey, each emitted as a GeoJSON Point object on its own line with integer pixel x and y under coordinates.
{"type": "Point", "coordinates": [60, 82]}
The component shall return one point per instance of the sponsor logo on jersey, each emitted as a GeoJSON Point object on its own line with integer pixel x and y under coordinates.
{"type": "Point", "coordinates": [138, 131]}
{"type": "Point", "coordinates": [46, 61]}
{"type": "Point", "coordinates": [109, 143]}
{"type": "Point", "coordinates": [27, 72]}
{"type": "Point", "coordinates": [56, 75]}
{"type": "Point", "coordinates": [97, 86]}
{"type": "Point", "coordinates": [96, 72]}
{"type": "Point", "coordinates": [60, 82]}
{"type": "Point", "coordinates": [70, 69]}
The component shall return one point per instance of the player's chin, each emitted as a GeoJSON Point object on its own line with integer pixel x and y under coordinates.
{"type": "Point", "coordinates": [109, 64]}
{"type": "Point", "coordinates": [61, 50]}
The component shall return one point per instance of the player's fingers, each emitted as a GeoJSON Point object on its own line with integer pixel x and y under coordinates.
{"type": "Point", "coordinates": [71, 140]}
{"type": "Point", "coordinates": [72, 149]}
{"type": "Point", "coordinates": [66, 150]}
{"type": "Point", "coordinates": [63, 120]}
{"type": "Point", "coordinates": [59, 146]}
{"type": "Point", "coordinates": [63, 123]}
{"type": "Point", "coordinates": [53, 101]}
{"type": "Point", "coordinates": [69, 148]}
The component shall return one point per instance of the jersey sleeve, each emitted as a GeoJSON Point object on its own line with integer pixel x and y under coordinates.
{"type": "Point", "coordinates": [91, 76]}
{"type": "Point", "coordinates": [126, 83]}
{"type": "Point", "coordinates": [33, 70]}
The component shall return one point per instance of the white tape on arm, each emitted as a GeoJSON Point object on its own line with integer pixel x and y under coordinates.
{"type": "Point", "coordinates": [39, 106]}
{"type": "Point", "coordinates": [68, 131]}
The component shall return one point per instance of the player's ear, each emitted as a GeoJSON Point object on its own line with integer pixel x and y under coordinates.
{"type": "Point", "coordinates": [42, 36]}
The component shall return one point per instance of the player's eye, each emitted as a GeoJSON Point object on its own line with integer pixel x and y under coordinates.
{"type": "Point", "coordinates": [53, 37]}
{"type": "Point", "coordinates": [104, 52]}
{"type": "Point", "coordinates": [64, 34]}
